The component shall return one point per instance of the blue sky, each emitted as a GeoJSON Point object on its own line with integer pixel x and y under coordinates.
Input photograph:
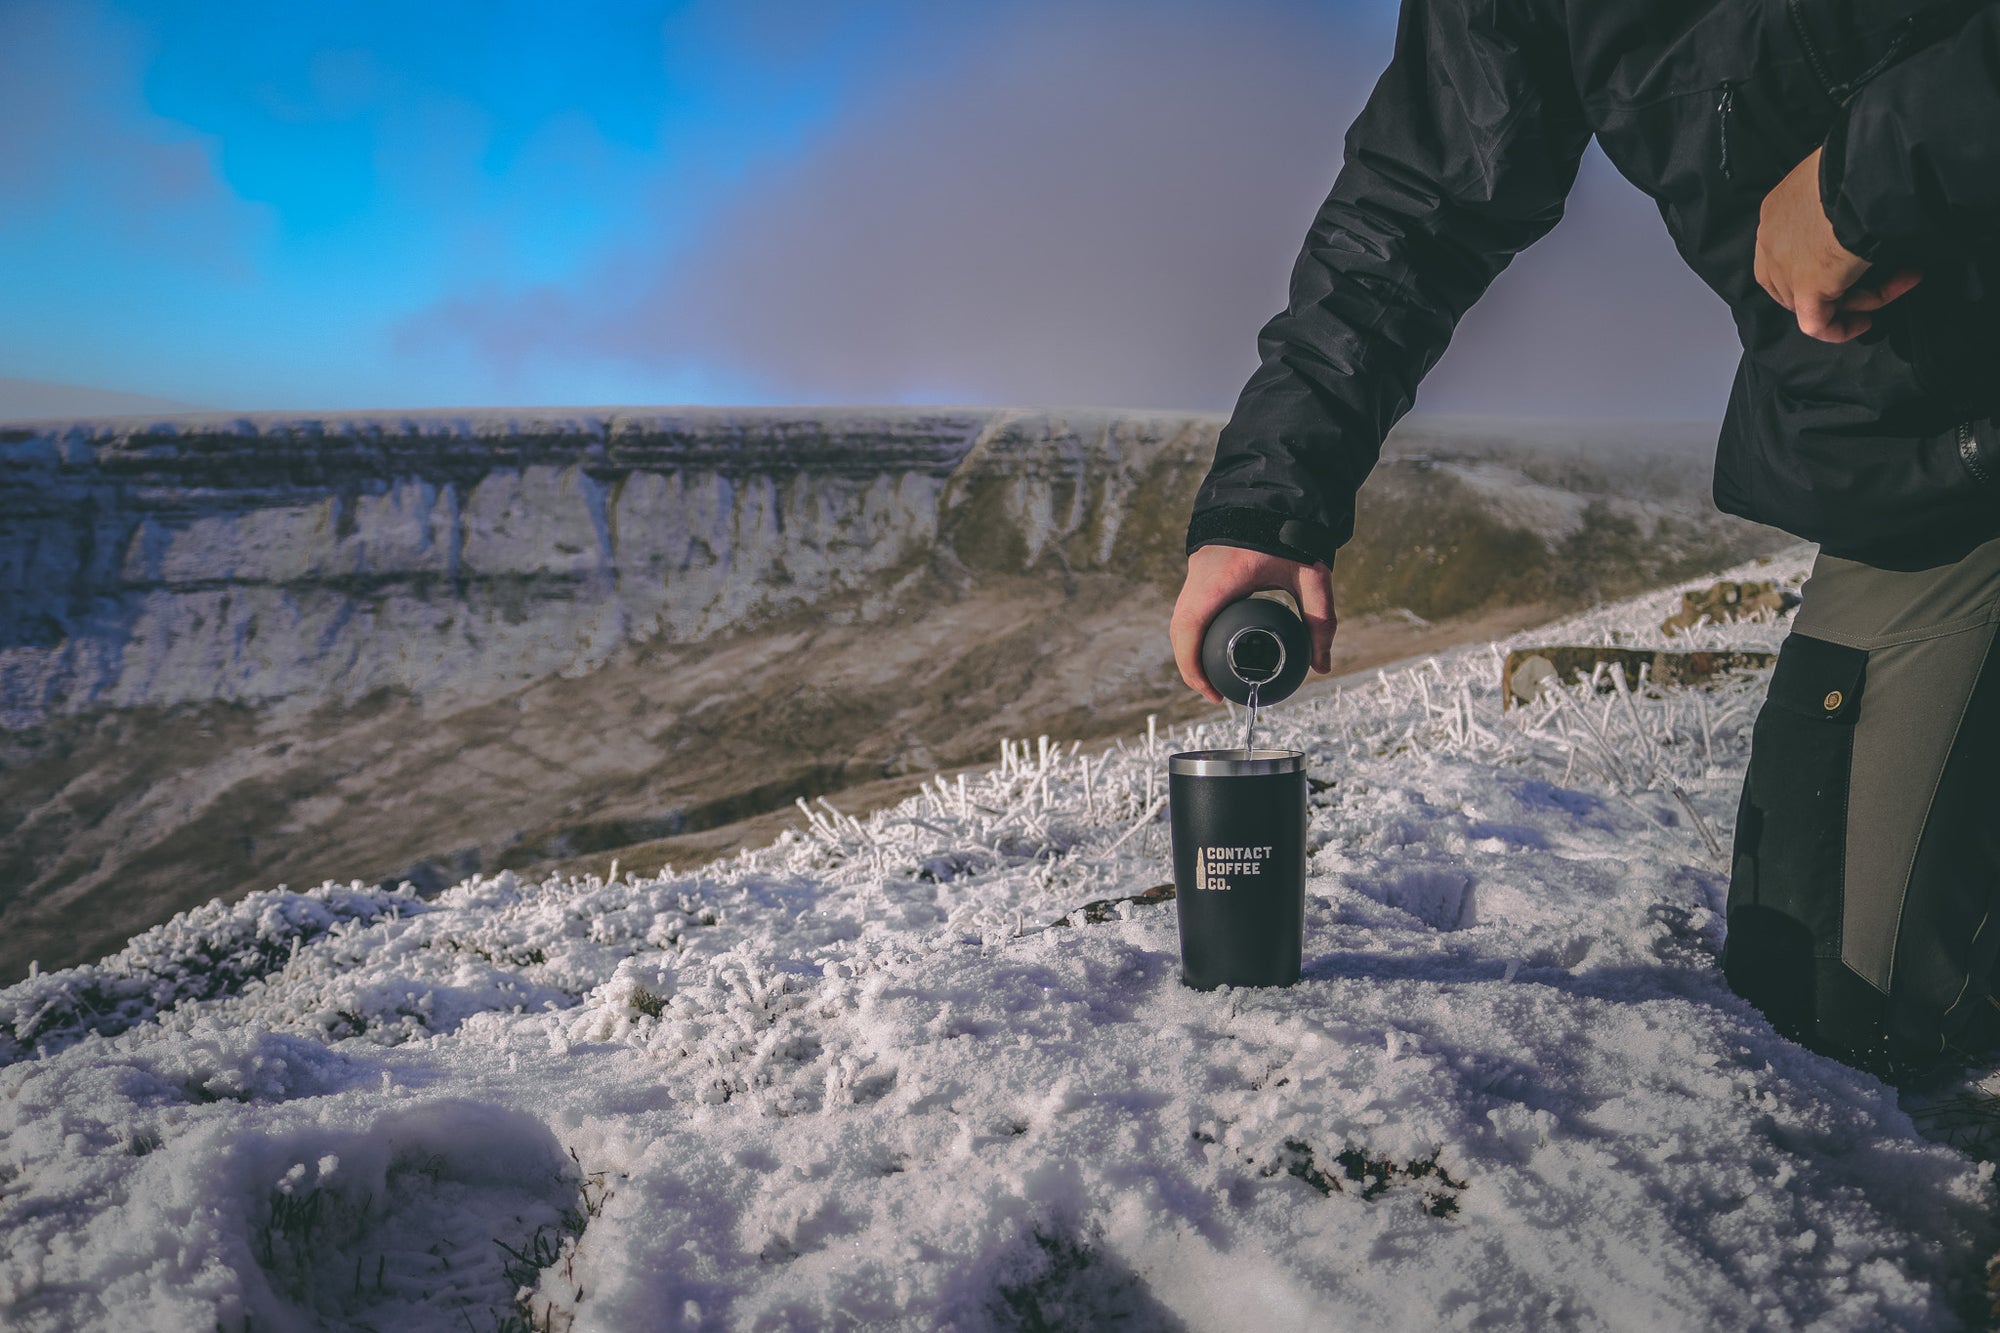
{"type": "Point", "coordinates": [374, 205]}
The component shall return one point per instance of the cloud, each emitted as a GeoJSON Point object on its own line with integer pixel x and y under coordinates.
{"type": "Point", "coordinates": [1098, 204]}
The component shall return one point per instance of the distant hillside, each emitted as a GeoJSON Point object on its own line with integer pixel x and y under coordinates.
{"type": "Point", "coordinates": [242, 652]}
{"type": "Point", "coordinates": [32, 400]}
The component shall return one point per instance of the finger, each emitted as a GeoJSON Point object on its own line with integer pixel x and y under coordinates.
{"type": "Point", "coordinates": [1841, 326]}
{"type": "Point", "coordinates": [1196, 607]}
{"type": "Point", "coordinates": [1877, 295]}
{"type": "Point", "coordinates": [1899, 283]}
{"type": "Point", "coordinates": [1774, 289]}
{"type": "Point", "coordinates": [1863, 298]}
{"type": "Point", "coordinates": [1816, 318]}
{"type": "Point", "coordinates": [1315, 593]}
{"type": "Point", "coordinates": [1186, 634]}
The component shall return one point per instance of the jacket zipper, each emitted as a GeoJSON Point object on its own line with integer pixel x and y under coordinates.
{"type": "Point", "coordinates": [1794, 12]}
{"type": "Point", "coordinates": [1968, 453]}
{"type": "Point", "coordinates": [1722, 106]}
{"type": "Point", "coordinates": [1840, 92]}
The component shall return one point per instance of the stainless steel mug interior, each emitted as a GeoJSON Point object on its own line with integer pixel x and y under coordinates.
{"type": "Point", "coordinates": [1239, 835]}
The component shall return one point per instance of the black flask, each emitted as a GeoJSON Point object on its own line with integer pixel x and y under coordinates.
{"type": "Point", "coordinates": [1256, 642]}
{"type": "Point", "coordinates": [1239, 831]}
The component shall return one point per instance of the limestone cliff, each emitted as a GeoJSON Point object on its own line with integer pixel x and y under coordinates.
{"type": "Point", "coordinates": [308, 561]}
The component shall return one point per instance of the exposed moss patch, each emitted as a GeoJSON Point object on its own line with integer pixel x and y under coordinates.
{"type": "Point", "coordinates": [1428, 542]}
{"type": "Point", "coordinates": [1073, 1284]}
{"type": "Point", "coordinates": [1353, 1170]}
{"type": "Point", "coordinates": [979, 525]}
{"type": "Point", "coordinates": [1152, 533]}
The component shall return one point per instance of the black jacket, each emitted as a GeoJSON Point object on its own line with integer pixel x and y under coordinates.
{"type": "Point", "coordinates": [1884, 448]}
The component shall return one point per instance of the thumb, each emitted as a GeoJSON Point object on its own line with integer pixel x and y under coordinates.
{"type": "Point", "coordinates": [1196, 606]}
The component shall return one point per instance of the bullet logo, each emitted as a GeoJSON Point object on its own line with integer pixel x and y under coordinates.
{"type": "Point", "coordinates": [1214, 867]}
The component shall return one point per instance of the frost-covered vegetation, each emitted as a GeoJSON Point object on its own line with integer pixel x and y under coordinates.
{"type": "Point", "coordinates": [933, 1068]}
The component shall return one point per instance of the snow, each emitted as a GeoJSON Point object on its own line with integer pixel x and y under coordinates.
{"type": "Point", "coordinates": [858, 1078]}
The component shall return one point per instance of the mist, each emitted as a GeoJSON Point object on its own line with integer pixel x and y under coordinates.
{"type": "Point", "coordinates": [1084, 208]}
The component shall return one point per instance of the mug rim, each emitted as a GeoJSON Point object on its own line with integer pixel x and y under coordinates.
{"type": "Point", "coordinates": [1235, 763]}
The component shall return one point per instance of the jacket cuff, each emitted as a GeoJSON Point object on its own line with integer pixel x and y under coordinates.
{"type": "Point", "coordinates": [1297, 539]}
{"type": "Point", "coordinates": [1847, 228]}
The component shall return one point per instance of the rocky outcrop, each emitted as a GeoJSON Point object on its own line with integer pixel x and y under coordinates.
{"type": "Point", "coordinates": [305, 561]}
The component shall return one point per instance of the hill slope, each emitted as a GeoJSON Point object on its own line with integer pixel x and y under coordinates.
{"type": "Point", "coordinates": [859, 1075]}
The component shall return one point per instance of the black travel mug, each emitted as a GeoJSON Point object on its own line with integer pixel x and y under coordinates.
{"type": "Point", "coordinates": [1239, 831]}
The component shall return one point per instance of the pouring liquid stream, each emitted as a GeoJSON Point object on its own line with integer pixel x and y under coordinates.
{"type": "Point", "coordinates": [1250, 729]}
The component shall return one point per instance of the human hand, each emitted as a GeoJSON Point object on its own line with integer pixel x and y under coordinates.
{"type": "Point", "coordinates": [1219, 575]}
{"type": "Point", "coordinates": [1809, 272]}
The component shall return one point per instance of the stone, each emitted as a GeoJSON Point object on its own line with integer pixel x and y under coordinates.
{"type": "Point", "coordinates": [1098, 912]}
{"type": "Point", "coordinates": [1528, 671]}
{"type": "Point", "coordinates": [1729, 600]}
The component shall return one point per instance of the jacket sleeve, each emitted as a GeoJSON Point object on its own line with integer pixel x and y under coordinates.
{"type": "Point", "coordinates": [1912, 161]}
{"type": "Point", "coordinates": [1461, 158]}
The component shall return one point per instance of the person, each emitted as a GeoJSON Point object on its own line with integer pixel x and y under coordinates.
{"type": "Point", "coordinates": [1831, 170]}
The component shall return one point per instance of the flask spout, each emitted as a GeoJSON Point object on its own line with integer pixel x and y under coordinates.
{"type": "Point", "coordinates": [1256, 655]}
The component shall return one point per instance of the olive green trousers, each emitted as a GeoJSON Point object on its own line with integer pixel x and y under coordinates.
{"type": "Point", "coordinates": [1867, 856]}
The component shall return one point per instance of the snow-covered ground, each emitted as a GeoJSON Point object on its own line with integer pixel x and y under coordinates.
{"type": "Point", "coordinates": [859, 1078]}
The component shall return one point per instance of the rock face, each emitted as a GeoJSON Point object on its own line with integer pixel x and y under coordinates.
{"type": "Point", "coordinates": [282, 561]}
{"type": "Point", "coordinates": [235, 653]}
